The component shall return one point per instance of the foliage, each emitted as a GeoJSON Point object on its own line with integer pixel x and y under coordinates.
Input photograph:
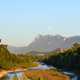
{"type": "Point", "coordinates": [69, 59]}
{"type": "Point", "coordinates": [9, 60]}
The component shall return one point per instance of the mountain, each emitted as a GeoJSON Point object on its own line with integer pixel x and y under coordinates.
{"type": "Point", "coordinates": [46, 43]}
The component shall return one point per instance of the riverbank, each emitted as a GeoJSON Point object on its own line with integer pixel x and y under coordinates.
{"type": "Point", "coordinates": [39, 74]}
{"type": "Point", "coordinates": [3, 73]}
{"type": "Point", "coordinates": [42, 71]}
{"type": "Point", "coordinates": [46, 75]}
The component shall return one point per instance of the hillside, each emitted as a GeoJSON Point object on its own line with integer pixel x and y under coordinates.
{"type": "Point", "coordinates": [46, 43]}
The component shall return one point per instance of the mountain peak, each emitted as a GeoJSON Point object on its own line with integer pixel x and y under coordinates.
{"type": "Point", "coordinates": [46, 43]}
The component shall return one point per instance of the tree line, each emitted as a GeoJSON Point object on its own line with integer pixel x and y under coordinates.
{"type": "Point", "coordinates": [68, 59]}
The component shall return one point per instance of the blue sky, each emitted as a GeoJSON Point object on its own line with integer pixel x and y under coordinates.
{"type": "Point", "coordinates": [22, 20]}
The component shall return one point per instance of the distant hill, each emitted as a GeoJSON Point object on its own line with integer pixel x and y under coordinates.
{"type": "Point", "coordinates": [46, 43]}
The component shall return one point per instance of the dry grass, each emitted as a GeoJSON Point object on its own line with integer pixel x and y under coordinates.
{"type": "Point", "coordinates": [46, 75]}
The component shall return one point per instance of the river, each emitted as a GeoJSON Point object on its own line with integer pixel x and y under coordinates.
{"type": "Point", "coordinates": [20, 75]}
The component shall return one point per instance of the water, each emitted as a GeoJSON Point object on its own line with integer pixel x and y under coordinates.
{"type": "Point", "coordinates": [72, 75]}
{"type": "Point", "coordinates": [75, 78]}
{"type": "Point", "coordinates": [40, 67]}
{"type": "Point", "coordinates": [16, 76]}
{"type": "Point", "coordinates": [43, 66]}
{"type": "Point", "coordinates": [21, 76]}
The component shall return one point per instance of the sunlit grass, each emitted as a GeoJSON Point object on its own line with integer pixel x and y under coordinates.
{"type": "Point", "coordinates": [45, 75]}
